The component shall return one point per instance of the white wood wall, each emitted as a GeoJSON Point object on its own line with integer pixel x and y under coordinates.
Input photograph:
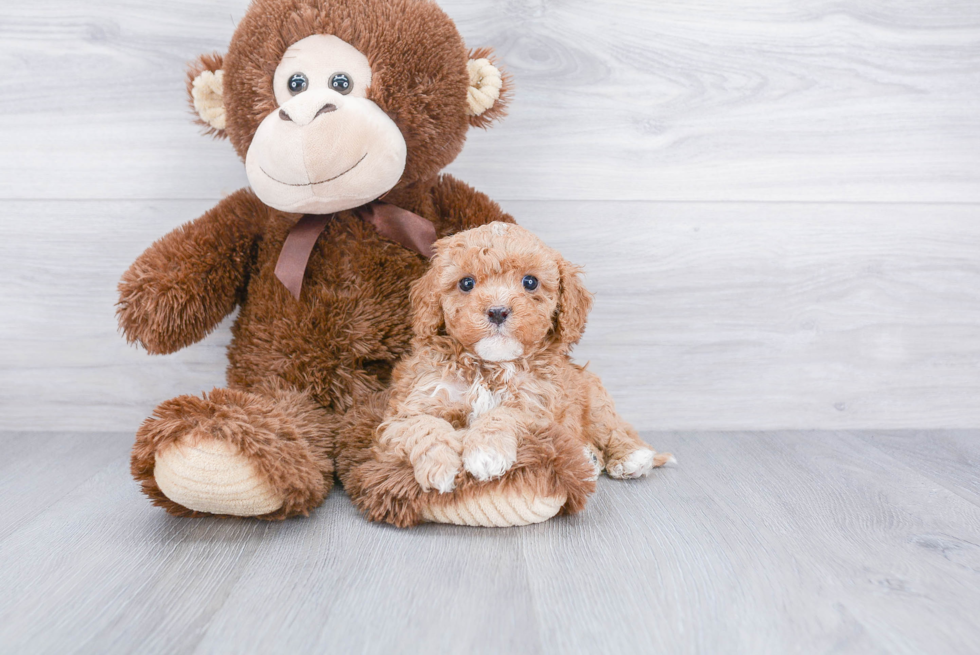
{"type": "Point", "coordinates": [776, 202]}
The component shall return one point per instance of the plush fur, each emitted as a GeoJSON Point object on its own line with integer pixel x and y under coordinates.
{"type": "Point", "coordinates": [415, 54]}
{"type": "Point", "coordinates": [453, 421]}
{"type": "Point", "coordinates": [295, 367]}
{"type": "Point", "coordinates": [278, 428]}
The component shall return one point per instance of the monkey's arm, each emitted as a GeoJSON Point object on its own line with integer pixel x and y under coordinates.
{"type": "Point", "coordinates": [181, 287]}
{"type": "Point", "coordinates": [461, 207]}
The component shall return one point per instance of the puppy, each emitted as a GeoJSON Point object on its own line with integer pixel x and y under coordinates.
{"type": "Point", "coordinates": [495, 318]}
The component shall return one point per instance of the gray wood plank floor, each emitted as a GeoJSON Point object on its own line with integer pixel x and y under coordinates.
{"type": "Point", "coordinates": [810, 542]}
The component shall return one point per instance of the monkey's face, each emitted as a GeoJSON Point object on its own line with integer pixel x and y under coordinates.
{"type": "Point", "coordinates": [333, 103]}
{"type": "Point", "coordinates": [327, 147]}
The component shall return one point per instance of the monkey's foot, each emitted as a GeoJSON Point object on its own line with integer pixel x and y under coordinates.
{"type": "Point", "coordinates": [495, 509]}
{"type": "Point", "coordinates": [209, 475]}
{"type": "Point", "coordinates": [234, 453]}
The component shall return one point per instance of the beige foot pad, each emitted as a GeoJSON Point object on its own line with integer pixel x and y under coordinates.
{"type": "Point", "coordinates": [208, 475]}
{"type": "Point", "coordinates": [496, 510]}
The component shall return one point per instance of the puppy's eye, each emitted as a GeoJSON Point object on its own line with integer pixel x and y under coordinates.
{"type": "Point", "coordinates": [297, 83]}
{"type": "Point", "coordinates": [341, 83]}
{"type": "Point", "coordinates": [530, 282]}
{"type": "Point", "coordinates": [466, 284]}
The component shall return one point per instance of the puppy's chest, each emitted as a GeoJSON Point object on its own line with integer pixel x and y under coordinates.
{"type": "Point", "coordinates": [480, 397]}
{"type": "Point", "coordinates": [476, 398]}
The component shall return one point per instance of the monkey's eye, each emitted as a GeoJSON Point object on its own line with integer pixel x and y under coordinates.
{"type": "Point", "coordinates": [341, 83]}
{"type": "Point", "coordinates": [297, 83]}
{"type": "Point", "coordinates": [530, 282]}
{"type": "Point", "coordinates": [466, 284]}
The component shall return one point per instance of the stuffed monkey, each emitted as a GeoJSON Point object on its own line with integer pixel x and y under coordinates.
{"type": "Point", "coordinates": [344, 113]}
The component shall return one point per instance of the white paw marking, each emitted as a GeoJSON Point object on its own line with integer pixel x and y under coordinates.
{"type": "Point", "coordinates": [591, 456]}
{"type": "Point", "coordinates": [445, 482]}
{"type": "Point", "coordinates": [485, 464]}
{"type": "Point", "coordinates": [439, 476]}
{"type": "Point", "coordinates": [638, 464]}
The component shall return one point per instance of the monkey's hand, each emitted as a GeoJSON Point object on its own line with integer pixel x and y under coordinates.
{"type": "Point", "coordinates": [181, 287]}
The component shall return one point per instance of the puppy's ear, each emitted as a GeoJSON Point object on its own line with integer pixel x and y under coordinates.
{"type": "Point", "coordinates": [574, 303]}
{"type": "Point", "coordinates": [427, 302]}
{"type": "Point", "coordinates": [489, 91]}
{"type": "Point", "coordinates": [205, 86]}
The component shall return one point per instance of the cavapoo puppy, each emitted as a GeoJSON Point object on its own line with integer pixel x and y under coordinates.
{"type": "Point", "coordinates": [495, 318]}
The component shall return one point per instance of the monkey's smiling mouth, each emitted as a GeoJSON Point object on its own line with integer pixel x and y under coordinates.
{"type": "Point", "coordinates": [315, 183]}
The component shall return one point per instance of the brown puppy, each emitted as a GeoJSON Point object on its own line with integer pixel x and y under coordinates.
{"type": "Point", "coordinates": [495, 318]}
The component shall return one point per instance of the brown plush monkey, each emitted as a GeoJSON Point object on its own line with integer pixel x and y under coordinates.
{"type": "Point", "coordinates": [333, 105]}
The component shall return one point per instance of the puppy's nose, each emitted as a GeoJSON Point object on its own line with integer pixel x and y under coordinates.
{"type": "Point", "coordinates": [498, 315]}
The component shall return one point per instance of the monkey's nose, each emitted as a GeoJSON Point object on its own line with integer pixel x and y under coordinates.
{"type": "Point", "coordinates": [498, 315]}
{"type": "Point", "coordinates": [326, 109]}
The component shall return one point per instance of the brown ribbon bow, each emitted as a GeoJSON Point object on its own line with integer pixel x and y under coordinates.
{"type": "Point", "coordinates": [405, 228]}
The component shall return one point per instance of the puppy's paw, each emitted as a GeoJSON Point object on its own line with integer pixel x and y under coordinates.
{"type": "Point", "coordinates": [437, 469]}
{"type": "Point", "coordinates": [637, 464]}
{"type": "Point", "coordinates": [489, 453]}
{"type": "Point", "coordinates": [486, 463]}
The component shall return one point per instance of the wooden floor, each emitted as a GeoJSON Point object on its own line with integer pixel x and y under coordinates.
{"type": "Point", "coordinates": [810, 542]}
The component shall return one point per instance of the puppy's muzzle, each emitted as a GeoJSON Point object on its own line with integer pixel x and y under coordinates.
{"type": "Point", "coordinates": [497, 315]}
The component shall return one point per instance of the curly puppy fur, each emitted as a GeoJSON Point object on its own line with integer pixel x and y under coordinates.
{"type": "Point", "coordinates": [481, 399]}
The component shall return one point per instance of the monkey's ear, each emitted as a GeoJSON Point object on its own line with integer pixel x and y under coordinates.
{"type": "Point", "coordinates": [489, 91]}
{"type": "Point", "coordinates": [204, 85]}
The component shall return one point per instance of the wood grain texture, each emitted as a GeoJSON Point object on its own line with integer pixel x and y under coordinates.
{"type": "Point", "coordinates": [774, 316]}
{"type": "Point", "coordinates": [764, 543]}
{"type": "Point", "coordinates": [756, 543]}
{"type": "Point", "coordinates": [707, 316]}
{"type": "Point", "coordinates": [710, 315]}
{"type": "Point", "coordinates": [639, 100]}
{"type": "Point", "coordinates": [856, 305]}
{"type": "Point", "coordinates": [29, 480]}
{"type": "Point", "coordinates": [101, 572]}
{"type": "Point", "coordinates": [948, 457]}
